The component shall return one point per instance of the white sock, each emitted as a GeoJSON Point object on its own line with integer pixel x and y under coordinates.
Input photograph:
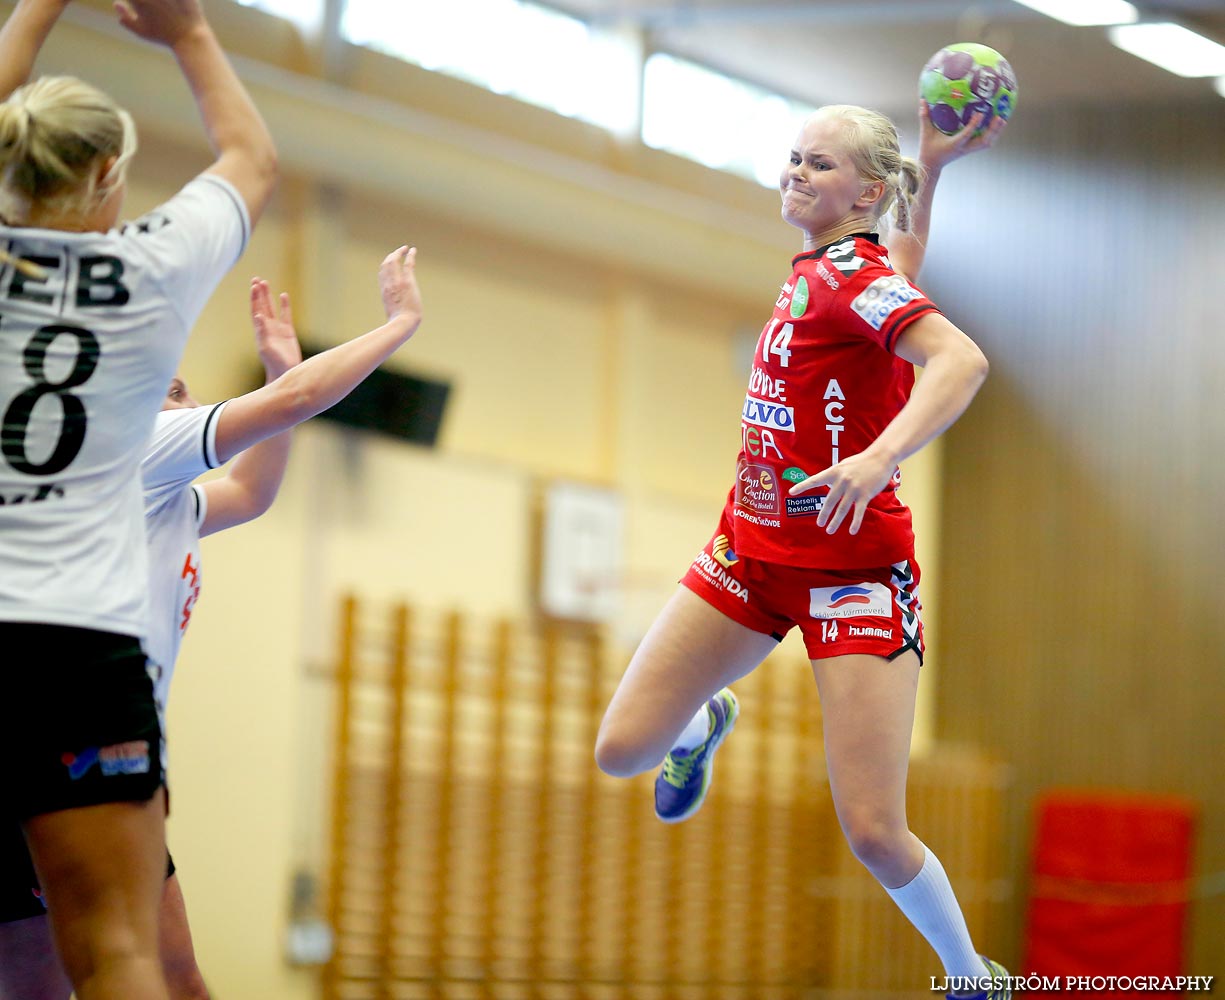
{"type": "Point", "coordinates": [696, 732]}
{"type": "Point", "coordinates": [929, 904]}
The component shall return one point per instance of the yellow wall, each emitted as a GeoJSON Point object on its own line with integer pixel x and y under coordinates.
{"type": "Point", "coordinates": [606, 345]}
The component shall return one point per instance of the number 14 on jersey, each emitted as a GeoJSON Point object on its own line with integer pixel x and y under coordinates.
{"type": "Point", "coordinates": [776, 340]}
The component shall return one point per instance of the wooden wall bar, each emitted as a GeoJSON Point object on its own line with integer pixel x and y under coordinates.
{"type": "Point", "coordinates": [479, 852]}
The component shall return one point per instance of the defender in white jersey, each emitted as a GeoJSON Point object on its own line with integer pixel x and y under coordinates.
{"type": "Point", "coordinates": [93, 321]}
{"type": "Point", "coordinates": [188, 440]}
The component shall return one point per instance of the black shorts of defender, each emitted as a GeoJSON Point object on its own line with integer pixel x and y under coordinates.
{"type": "Point", "coordinates": [21, 895]}
{"type": "Point", "coordinates": [78, 721]}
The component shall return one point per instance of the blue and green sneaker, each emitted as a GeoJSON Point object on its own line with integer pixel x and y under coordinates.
{"type": "Point", "coordinates": [999, 989]}
{"type": "Point", "coordinates": [680, 788]}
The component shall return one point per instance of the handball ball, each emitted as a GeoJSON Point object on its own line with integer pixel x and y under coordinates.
{"type": "Point", "coordinates": [961, 80]}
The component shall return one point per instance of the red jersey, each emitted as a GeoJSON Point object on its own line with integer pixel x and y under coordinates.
{"type": "Point", "coordinates": [825, 383]}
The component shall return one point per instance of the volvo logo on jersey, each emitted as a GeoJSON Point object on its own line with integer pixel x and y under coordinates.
{"type": "Point", "coordinates": [764, 414]}
{"type": "Point", "coordinates": [757, 488]}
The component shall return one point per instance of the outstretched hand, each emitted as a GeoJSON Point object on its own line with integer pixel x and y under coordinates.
{"type": "Point", "coordinates": [398, 285]}
{"type": "Point", "coordinates": [852, 483]}
{"type": "Point", "coordinates": [937, 150]}
{"type": "Point", "coordinates": [164, 22]}
{"type": "Point", "coordinates": [275, 337]}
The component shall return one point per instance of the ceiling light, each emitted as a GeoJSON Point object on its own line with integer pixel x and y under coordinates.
{"type": "Point", "coordinates": [1081, 12]}
{"type": "Point", "coordinates": [1172, 47]}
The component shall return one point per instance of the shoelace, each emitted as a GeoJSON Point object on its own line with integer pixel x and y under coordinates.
{"type": "Point", "coordinates": [678, 769]}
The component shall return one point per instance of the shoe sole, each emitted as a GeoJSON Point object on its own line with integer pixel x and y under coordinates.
{"type": "Point", "coordinates": [732, 715]}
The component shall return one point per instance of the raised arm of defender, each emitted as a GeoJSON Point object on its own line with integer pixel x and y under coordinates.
{"type": "Point", "coordinates": [304, 391]}
{"type": "Point", "coordinates": [22, 38]}
{"type": "Point", "coordinates": [246, 156]}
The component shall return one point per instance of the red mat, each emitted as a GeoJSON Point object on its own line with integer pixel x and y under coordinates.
{"type": "Point", "coordinates": [1109, 887]}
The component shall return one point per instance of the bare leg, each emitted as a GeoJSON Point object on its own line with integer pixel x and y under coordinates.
{"type": "Point", "coordinates": [689, 653]}
{"type": "Point", "coordinates": [178, 955]}
{"type": "Point", "coordinates": [868, 705]}
{"type": "Point", "coordinates": [29, 966]}
{"type": "Point", "coordinates": [30, 969]}
{"type": "Point", "coordinates": [102, 868]}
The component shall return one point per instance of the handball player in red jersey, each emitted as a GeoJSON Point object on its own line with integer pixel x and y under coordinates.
{"type": "Point", "coordinates": [813, 533]}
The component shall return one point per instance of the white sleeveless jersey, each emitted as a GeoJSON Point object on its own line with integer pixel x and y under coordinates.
{"type": "Point", "coordinates": [183, 447]}
{"type": "Point", "coordinates": [87, 351]}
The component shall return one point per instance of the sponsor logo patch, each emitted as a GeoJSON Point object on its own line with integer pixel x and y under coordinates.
{"type": "Point", "coordinates": [805, 505]}
{"type": "Point", "coordinates": [757, 489]}
{"type": "Point", "coordinates": [829, 632]}
{"type": "Point", "coordinates": [867, 631]}
{"type": "Point", "coordinates": [121, 758]}
{"type": "Point", "coordinates": [762, 383]}
{"type": "Point", "coordinates": [783, 295]}
{"type": "Point", "coordinates": [720, 577]}
{"type": "Point", "coordinates": [851, 601]}
{"type": "Point", "coordinates": [765, 522]}
{"type": "Point", "coordinates": [721, 549]}
{"type": "Point", "coordinates": [799, 301]}
{"type": "Point", "coordinates": [765, 414]}
{"type": "Point", "coordinates": [883, 297]}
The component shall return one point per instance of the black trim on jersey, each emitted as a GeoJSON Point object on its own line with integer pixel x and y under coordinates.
{"type": "Point", "coordinates": [816, 254]}
{"type": "Point", "coordinates": [195, 501]}
{"type": "Point", "coordinates": [891, 339]}
{"type": "Point", "coordinates": [68, 271]}
{"type": "Point", "coordinates": [204, 437]}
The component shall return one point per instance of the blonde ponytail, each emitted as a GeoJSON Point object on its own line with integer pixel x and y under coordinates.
{"type": "Point", "coordinates": [907, 184]}
{"type": "Point", "coordinates": [26, 267]}
{"type": "Point", "coordinates": [54, 134]}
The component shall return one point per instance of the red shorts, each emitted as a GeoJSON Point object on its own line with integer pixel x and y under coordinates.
{"type": "Point", "coordinates": [840, 611]}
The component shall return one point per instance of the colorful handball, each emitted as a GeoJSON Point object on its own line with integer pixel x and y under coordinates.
{"type": "Point", "coordinates": [963, 79]}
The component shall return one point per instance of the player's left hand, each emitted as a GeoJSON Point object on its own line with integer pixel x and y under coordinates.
{"type": "Point", "coordinates": [398, 285]}
{"type": "Point", "coordinates": [852, 483]}
{"type": "Point", "coordinates": [275, 337]}
{"type": "Point", "coordinates": [163, 22]}
{"type": "Point", "coordinates": [937, 150]}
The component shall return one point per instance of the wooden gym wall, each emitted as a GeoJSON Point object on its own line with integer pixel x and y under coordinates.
{"type": "Point", "coordinates": [478, 852]}
{"type": "Point", "coordinates": [1082, 633]}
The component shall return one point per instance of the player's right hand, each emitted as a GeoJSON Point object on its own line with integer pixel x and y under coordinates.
{"type": "Point", "coordinates": [398, 285]}
{"type": "Point", "coordinates": [937, 149]}
{"type": "Point", "coordinates": [161, 21]}
{"type": "Point", "coordinates": [275, 337]}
